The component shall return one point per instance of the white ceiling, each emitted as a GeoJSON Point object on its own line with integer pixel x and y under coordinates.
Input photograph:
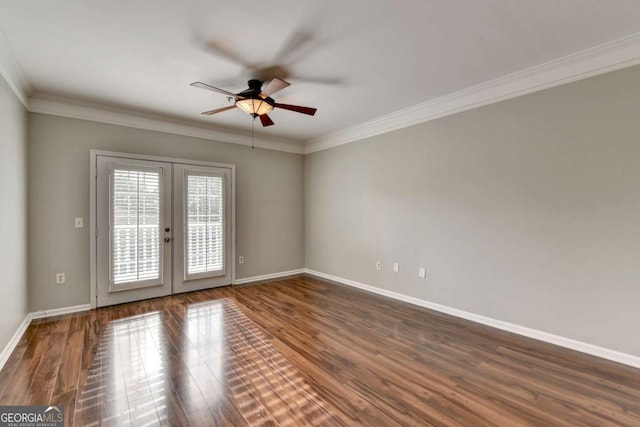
{"type": "Point", "coordinates": [372, 57]}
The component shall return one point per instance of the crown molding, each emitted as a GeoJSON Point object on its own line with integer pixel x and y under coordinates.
{"type": "Point", "coordinates": [600, 59]}
{"type": "Point", "coordinates": [590, 62]}
{"type": "Point", "coordinates": [12, 72]}
{"type": "Point", "coordinates": [97, 113]}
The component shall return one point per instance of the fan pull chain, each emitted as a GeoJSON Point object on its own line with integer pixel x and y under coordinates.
{"type": "Point", "coordinates": [252, 123]}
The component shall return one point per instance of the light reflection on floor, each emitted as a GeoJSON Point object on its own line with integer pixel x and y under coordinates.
{"type": "Point", "coordinates": [216, 356]}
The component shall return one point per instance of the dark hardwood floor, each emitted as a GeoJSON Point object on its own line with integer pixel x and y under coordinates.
{"type": "Point", "coordinates": [302, 351]}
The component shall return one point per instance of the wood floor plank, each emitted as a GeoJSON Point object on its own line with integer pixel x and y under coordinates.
{"type": "Point", "coordinates": [298, 403]}
{"type": "Point", "coordinates": [16, 357]}
{"type": "Point", "coordinates": [304, 351]}
{"type": "Point", "coordinates": [19, 382]}
{"type": "Point", "coordinates": [205, 396]}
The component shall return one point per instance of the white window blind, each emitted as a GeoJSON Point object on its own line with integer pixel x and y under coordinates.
{"type": "Point", "coordinates": [136, 222]}
{"type": "Point", "coordinates": [204, 226]}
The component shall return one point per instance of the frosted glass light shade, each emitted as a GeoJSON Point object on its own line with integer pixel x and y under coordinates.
{"type": "Point", "coordinates": [254, 106]}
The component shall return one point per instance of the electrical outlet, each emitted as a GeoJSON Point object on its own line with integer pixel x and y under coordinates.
{"type": "Point", "coordinates": [378, 265]}
{"type": "Point", "coordinates": [240, 259]}
{"type": "Point", "coordinates": [422, 273]}
{"type": "Point", "coordinates": [79, 222]}
{"type": "Point", "coordinates": [396, 267]}
{"type": "Point", "coordinates": [60, 278]}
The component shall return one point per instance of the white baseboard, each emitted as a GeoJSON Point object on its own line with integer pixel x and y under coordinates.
{"type": "Point", "coordinates": [59, 311]}
{"type": "Point", "coordinates": [604, 353]}
{"type": "Point", "coordinates": [269, 276]}
{"type": "Point", "coordinates": [13, 342]}
{"type": "Point", "coordinates": [15, 339]}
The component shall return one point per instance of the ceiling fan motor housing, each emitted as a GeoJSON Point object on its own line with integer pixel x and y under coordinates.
{"type": "Point", "coordinates": [255, 84]}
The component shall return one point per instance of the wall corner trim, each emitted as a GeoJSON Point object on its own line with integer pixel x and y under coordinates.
{"type": "Point", "coordinates": [593, 350]}
{"type": "Point", "coordinates": [599, 59]}
{"type": "Point", "coordinates": [269, 276]}
{"type": "Point", "coordinates": [15, 339]}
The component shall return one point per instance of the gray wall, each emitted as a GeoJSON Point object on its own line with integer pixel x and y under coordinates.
{"type": "Point", "coordinates": [13, 212]}
{"type": "Point", "coordinates": [526, 211]}
{"type": "Point", "coordinates": [269, 201]}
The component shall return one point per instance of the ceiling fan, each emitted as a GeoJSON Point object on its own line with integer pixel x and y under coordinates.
{"type": "Point", "coordinates": [255, 101]}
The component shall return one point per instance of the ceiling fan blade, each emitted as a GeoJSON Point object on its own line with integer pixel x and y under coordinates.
{"type": "Point", "coordinates": [209, 87]}
{"type": "Point", "coordinates": [274, 86]}
{"type": "Point", "coordinates": [297, 41]}
{"type": "Point", "coordinates": [219, 110]}
{"type": "Point", "coordinates": [266, 120]}
{"type": "Point", "coordinates": [317, 80]}
{"type": "Point", "coordinates": [227, 53]}
{"type": "Point", "coordinates": [270, 72]}
{"type": "Point", "coordinates": [298, 109]}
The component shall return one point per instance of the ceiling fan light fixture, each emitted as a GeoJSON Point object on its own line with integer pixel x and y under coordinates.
{"type": "Point", "coordinates": [254, 106]}
{"type": "Point", "coordinates": [256, 102]}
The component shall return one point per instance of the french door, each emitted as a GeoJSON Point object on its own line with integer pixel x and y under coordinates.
{"type": "Point", "coordinates": [161, 228]}
{"type": "Point", "coordinates": [201, 216]}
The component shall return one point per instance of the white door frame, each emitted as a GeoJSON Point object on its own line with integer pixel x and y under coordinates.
{"type": "Point", "coordinates": [93, 226]}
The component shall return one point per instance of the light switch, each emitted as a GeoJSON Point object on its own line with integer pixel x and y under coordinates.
{"type": "Point", "coordinates": [396, 267]}
{"type": "Point", "coordinates": [79, 222]}
{"type": "Point", "coordinates": [422, 273]}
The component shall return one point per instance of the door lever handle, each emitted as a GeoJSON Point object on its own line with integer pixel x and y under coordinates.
{"type": "Point", "coordinates": [167, 239]}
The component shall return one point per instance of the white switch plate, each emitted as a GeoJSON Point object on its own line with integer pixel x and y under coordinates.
{"type": "Point", "coordinates": [79, 222]}
{"type": "Point", "coordinates": [60, 278]}
{"type": "Point", "coordinates": [396, 267]}
{"type": "Point", "coordinates": [378, 265]}
{"type": "Point", "coordinates": [241, 260]}
{"type": "Point", "coordinates": [422, 273]}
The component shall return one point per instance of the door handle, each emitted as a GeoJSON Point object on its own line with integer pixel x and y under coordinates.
{"type": "Point", "coordinates": [167, 239]}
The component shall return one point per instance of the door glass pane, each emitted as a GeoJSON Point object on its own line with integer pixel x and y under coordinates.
{"type": "Point", "coordinates": [136, 209]}
{"type": "Point", "coordinates": [204, 224]}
